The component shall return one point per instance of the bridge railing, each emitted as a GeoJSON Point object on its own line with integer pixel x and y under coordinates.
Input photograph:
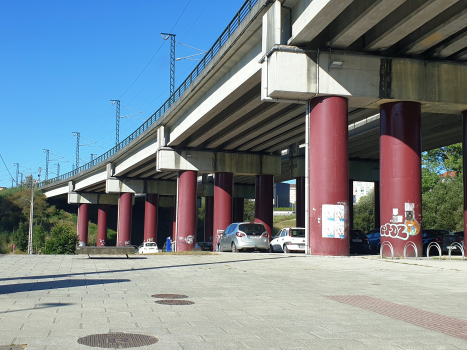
{"type": "Point", "coordinates": [226, 34]}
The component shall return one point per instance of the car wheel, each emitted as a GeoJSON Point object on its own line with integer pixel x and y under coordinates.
{"type": "Point", "coordinates": [286, 249]}
{"type": "Point", "coordinates": [234, 248]}
{"type": "Point", "coordinates": [271, 249]}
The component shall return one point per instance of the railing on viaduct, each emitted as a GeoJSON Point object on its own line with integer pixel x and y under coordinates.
{"type": "Point", "coordinates": [226, 34]}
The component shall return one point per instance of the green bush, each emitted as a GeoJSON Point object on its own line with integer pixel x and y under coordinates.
{"type": "Point", "coordinates": [62, 241]}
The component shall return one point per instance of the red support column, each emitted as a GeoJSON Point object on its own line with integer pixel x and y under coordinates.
{"type": "Point", "coordinates": [300, 201]}
{"type": "Point", "coordinates": [102, 212]}
{"type": "Point", "coordinates": [223, 191]}
{"type": "Point", "coordinates": [83, 218]}
{"type": "Point", "coordinates": [150, 217]}
{"type": "Point", "coordinates": [208, 218]}
{"type": "Point", "coordinates": [173, 218]}
{"type": "Point", "coordinates": [464, 164]}
{"type": "Point", "coordinates": [329, 176]}
{"type": "Point", "coordinates": [377, 205]}
{"type": "Point", "coordinates": [238, 209]}
{"type": "Point", "coordinates": [187, 215]}
{"type": "Point", "coordinates": [125, 208]}
{"type": "Point", "coordinates": [400, 176]}
{"type": "Point", "coordinates": [264, 193]}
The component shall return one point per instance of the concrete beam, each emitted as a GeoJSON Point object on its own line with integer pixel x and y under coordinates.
{"type": "Point", "coordinates": [136, 156]}
{"type": "Point", "coordinates": [452, 46]}
{"type": "Point", "coordinates": [90, 180]}
{"type": "Point", "coordinates": [438, 34]}
{"type": "Point", "coordinates": [57, 191]}
{"type": "Point", "coordinates": [368, 18]}
{"type": "Point", "coordinates": [167, 201]}
{"type": "Point", "coordinates": [390, 31]}
{"type": "Point", "coordinates": [368, 81]}
{"type": "Point", "coordinates": [92, 198]}
{"type": "Point", "coordinates": [239, 191]}
{"type": "Point", "coordinates": [161, 187]}
{"type": "Point", "coordinates": [310, 17]}
{"type": "Point", "coordinates": [360, 170]}
{"type": "Point", "coordinates": [212, 162]}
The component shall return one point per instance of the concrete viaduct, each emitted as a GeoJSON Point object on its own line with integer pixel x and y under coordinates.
{"type": "Point", "coordinates": [321, 91]}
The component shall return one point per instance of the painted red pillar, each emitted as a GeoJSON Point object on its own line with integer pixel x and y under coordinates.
{"type": "Point", "coordinates": [83, 218]}
{"type": "Point", "coordinates": [238, 209]}
{"type": "Point", "coordinates": [329, 176]}
{"type": "Point", "coordinates": [264, 197]}
{"type": "Point", "coordinates": [173, 218]}
{"type": "Point", "coordinates": [464, 164]}
{"type": "Point", "coordinates": [102, 212]}
{"type": "Point", "coordinates": [150, 217]}
{"type": "Point", "coordinates": [377, 205]}
{"type": "Point", "coordinates": [208, 218]}
{"type": "Point", "coordinates": [125, 208]}
{"type": "Point", "coordinates": [223, 191]}
{"type": "Point", "coordinates": [187, 213]}
{"type": "Point", "coordinates": [400, 177]}
{"type": "Point", "coordinates": [300, 201]}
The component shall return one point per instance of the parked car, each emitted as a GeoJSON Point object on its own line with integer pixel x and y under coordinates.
{"type": "Point", "coordinates": [358, 242]}
{"type": "Point", "coordinates": [288, 239]}
{"type": "Point", "coordinates": [243, 236]}
{"type": "Point", "coordinates": [461, 237]}
{"type": "Point", "coordinates": [148, 248]}
{"type": "Point", "coordinates": [443, 237]}
{"type": "Point", "coordinates": [374, 240]}
{"type": "Point", "coordinates": [204, 246]}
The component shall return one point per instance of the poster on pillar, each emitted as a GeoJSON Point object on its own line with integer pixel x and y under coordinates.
{"type": "Point", "coordinates": [333, 221]}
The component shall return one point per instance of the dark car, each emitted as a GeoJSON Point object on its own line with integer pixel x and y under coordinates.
{"type": "Point", "coordinates": [374, 239]}
{"type": "Point", "coordinates": [443, 237]}
{"type": "Point", "coordinates": [358, 243]}
{"type": "Point", "coordinates": [204, 246]}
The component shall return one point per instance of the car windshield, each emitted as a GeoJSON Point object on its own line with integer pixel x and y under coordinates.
{"type": "Point", "coordinates": [356, 234]}
{"type": "Point", "coordinates": [297, 232]}
{"type": "Point", "coordinates": [252, 229]}
{"type": "Point", "coordinates": [150, 244]}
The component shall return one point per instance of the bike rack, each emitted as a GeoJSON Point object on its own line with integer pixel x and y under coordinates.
{"type": "Point", "coordinates": [410, 244]}
{"type": "Point", "coordinates": [433, 244]}
{"type": "Point", "coordinates": [455, 244]}
{"type": "Point", "coordinates": [390, 246]}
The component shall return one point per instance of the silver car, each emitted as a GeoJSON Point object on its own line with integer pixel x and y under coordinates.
{"type": "Point", "coordinates": [242, 236]}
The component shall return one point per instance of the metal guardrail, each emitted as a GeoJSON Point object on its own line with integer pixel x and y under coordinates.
{"type": "Point", "coordinates": [433, 244]}
{"type": "Point", "coordinates": [386, 243]}
{"type": "Point", "coordinates": [226, 34]}
{"type": "Point", "coordinates": [456, 245]}
{"type": "Point", "coordinates": [410, 244]}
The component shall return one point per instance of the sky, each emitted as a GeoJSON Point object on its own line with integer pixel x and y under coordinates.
{"type": "Point", "coordinates": [62, 61]}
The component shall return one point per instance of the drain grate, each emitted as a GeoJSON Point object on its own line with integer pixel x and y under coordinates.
{"type": "Point", "coordinates": [117, 340]}
{"type": "Point", "coordinates": [174, 302]}
{"type": "Point", "coordinates": [170, 296]}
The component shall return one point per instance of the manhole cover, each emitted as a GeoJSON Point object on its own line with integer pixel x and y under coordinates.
{"type": "Point", "coordinates": [174, 302]}
{"type": "Point", "coordinates": [170, 296]}
{"type": "Point", "coordinates": [117, 340]}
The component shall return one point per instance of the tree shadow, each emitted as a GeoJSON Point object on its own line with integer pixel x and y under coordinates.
{"type": "Point", "coordinates": [39, 307]}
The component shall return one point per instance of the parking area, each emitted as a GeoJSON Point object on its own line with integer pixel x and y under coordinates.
{"type": "Point", "coordinates": [234, 301]}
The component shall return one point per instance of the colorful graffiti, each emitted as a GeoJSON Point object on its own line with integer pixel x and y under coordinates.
{"type": "Point", "coordinates": [401, 231]}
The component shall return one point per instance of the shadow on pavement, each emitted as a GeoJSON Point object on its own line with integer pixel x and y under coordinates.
{"type": "Point", "coordinates": [48, 285]}
{"type": "Point", "coordinates": [136, 269]}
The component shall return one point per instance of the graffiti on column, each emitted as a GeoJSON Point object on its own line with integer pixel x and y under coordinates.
{"type": "Point", "coordinates": [127, 243]}
{"type": "Point", "coordinates": [400, 228]}
{"type": "Point", "coordinates": [102, 241]}
{"type": "Point", "coordinates": [188, 239]}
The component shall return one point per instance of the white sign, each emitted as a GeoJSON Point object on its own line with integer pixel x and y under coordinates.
{"type": "Point", "coordinates": [333, 221]}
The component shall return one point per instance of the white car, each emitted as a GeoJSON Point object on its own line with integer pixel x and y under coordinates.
{"type": "Point", "coordinates": [148, 248]}
{"type": "Point", "coordinates": [288, 239]}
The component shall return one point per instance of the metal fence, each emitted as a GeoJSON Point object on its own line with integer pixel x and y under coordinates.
{"type": "Point", "coordinates": [233, 25]}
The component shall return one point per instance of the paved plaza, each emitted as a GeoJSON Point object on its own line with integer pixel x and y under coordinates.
{"type": "Point", "coordinates": [239, 301]}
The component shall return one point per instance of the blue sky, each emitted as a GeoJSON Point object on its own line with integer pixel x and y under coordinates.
{"type": "Point", "coordinates": [61, 63]}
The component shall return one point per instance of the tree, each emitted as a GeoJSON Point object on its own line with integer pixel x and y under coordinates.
{"type": "Point", "coordinates": [364, 213]}
{"type": "Point", "coordinates": [62, 241]}
{"type": "Point", "coordinates": [249, 210]}
{"type": "Point", "coordinates": [443, 205]}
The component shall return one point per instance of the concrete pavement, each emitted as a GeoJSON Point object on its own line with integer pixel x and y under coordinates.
{"type": "Point", "coordinates": [241, 301]}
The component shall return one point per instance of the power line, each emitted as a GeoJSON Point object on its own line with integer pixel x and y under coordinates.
{"type": "Point", "coordinates": [6, 167]}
